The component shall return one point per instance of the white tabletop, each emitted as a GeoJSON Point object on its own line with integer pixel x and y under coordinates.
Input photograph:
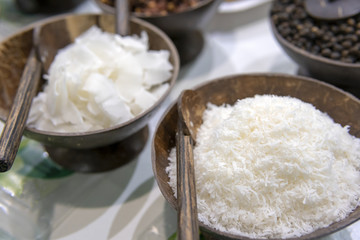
{"type": "Point", "coordinates": [126, 203]}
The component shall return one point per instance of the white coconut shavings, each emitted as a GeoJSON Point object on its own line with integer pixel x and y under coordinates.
{"type": "Point", "coordinates": [100, 80]}
{"type": "Point", "coordinates": [273, 167]}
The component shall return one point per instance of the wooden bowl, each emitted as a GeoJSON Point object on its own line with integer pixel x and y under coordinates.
{"type": "Point", "coordinates": [343, 107]}
{"type": "Point", "coordinates": [184, 28]}
{"type": "Point", "coordinates": [324, 69]}
{"type": "Point", "coordinates": [64, 29]}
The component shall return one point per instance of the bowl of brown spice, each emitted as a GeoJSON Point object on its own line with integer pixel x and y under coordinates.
{"type": "Point", "coordinates": [266, 157]}
{"type": "Point", "coordinates": [323, 43]}
{"type": "Point", "coordinates": [181, 20]}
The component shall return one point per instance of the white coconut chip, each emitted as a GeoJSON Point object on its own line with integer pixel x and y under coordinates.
{"type": "Point", "coordinates": [100, 80]}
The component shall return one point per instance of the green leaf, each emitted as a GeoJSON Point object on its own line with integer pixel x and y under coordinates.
{"type": "Point", "coordinates": [173, 237]}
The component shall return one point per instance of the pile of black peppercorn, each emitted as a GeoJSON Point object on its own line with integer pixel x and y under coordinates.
{"type": "Point", "coordinates": [337, 40]}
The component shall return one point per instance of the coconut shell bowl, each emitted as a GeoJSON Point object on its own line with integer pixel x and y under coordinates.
{"type": "Point", "coordinates": [94, 151]}
{"type": "Point", "coordinates": [325, 49]}
{"type": "Point", "coordinates": [343, 107]}
{"type": "Point", "coordinates": [183, 27]}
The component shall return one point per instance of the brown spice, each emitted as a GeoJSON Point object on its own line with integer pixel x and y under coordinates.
{"type": "Point", "coordinates": [158, 7]}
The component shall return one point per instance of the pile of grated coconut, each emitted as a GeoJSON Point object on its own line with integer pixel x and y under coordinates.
{"type": "Point", "coordinates": [273, 167]}
{"type": "Point", "coordinates": [100, 80]}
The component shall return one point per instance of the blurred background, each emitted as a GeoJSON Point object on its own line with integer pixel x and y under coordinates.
{"type": "Point", "coordinates": [15, 14]}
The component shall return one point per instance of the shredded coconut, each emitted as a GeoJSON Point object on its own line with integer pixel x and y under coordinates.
{"type": "Point", "coordinates": [273, 167]}
{"type": "Point", "coordinates": [100, 80]}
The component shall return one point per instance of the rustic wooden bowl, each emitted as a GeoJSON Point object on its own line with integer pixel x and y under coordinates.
{"type": "Point", "coordinates": [184, 28]}
{"type": "Point", "coordinates": [324, 69]}
{"type": "Point", "coordinates": [64, 29]}
{"type": "Point", "coordinates": [343, 107]}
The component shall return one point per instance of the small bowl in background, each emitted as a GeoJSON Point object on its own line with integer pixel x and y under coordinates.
{"type": "Point", "coordinates": [337, 72]}
{"type": "Point", "coordinates": [68, 149]}
{"type": "Point", "coordinates": [184, 27]}
{"type": "Point", "coordinates": [46, 6]}
{"type": "Point", "coordinates": [343, 107]}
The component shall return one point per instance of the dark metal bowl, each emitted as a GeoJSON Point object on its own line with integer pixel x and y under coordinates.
{"type": "Point", "coordinates": [325, 69]}
{"type": "Point", "coordinates": [175, 24]}
{"type": "Point", "coordinates": [184, 28]}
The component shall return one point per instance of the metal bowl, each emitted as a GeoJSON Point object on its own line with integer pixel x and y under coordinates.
{"type": "Point", "coordinates": [184, 28]}
{"type": "Point", "coordinates": [325, 69]}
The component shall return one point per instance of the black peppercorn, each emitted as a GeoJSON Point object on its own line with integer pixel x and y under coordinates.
{"type": "Point", "coordinates": [337, 47]}
{"type": "Point", "coordinates": [344, 53]}
{"type": "Point", "coordinates": [346, 44]}
{"type": "Point", "coordinates": [335, 55]}
{"type": "Point", "coordinates": [326, 52]}
{"type": "Point", "coordinates": [351, 22]}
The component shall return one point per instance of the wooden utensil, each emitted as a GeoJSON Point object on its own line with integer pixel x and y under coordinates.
{"type": "Point", "coordinates": [188, 106]}
{"type": "Point", "coordinates": [122, 17]}
{"type": "Point", "coordinates": [15, 124]}
{"type": "Point", "coordinates": [332, 10]}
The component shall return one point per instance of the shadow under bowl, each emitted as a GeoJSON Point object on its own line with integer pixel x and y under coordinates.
{"type": "Point", "coordinates": [184, 28]}
{"type": "Point", "coordinates": [64, 29]}
{"type": "Point", "coordinates": [335, 72]}
{"type": "Point", "coordinates": [343, 107]}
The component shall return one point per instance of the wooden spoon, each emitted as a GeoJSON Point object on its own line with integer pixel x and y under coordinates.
{"type": "Point", "coordinates": [189, 108]}
{"type": "Point", "coordinates": [122, 17]}
{"type": "Point", "coordinates": [332, 10]}
{"type": "Point", "coordinates": [57, 36]}
{"type": "Point", "coordinates": [15, 124]}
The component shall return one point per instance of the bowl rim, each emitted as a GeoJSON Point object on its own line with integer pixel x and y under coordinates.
{"type": "Point", "coordinates": [240, 75]}
{"type": "Point", "coordinates": [171, 81]}
{"type": "Point", "coordinates": [305, 53]}
{"type": "Point", "coordinates": [110, 9]}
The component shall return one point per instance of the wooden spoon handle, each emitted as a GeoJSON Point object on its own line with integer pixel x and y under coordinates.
{"type": "Point", "coordinates": [16, 121]}
{"type": "Point", "coordinates": [186, 190]}
{"type": "Point", "coordinates": [122, 17]}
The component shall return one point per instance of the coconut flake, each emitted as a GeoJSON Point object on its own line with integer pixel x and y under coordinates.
{"type": "Point", "coordinates": [100, 80]}
{"type": "Point", "coordinates": [273, 167]}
